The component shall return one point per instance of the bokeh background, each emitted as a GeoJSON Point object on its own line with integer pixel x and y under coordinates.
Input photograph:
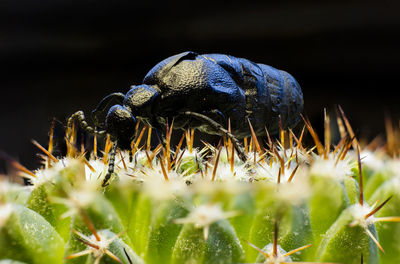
{"type": "Point", "coordinates": [59, 56]}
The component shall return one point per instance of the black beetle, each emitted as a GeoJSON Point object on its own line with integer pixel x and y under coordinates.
{"type": "Point", "coordinates": [203, 92]}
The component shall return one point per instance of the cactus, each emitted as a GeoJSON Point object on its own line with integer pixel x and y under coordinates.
{"type": "Point", "coordinates": [287, 203]}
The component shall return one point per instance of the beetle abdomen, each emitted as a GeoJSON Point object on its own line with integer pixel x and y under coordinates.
{"type": "Point", "coordinates": [271, 94]}
{"type": "Point", "coordinates": [286, 97]}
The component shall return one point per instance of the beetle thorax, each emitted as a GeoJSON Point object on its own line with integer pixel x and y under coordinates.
{"type": "Point", "coordinates": [140, 100]}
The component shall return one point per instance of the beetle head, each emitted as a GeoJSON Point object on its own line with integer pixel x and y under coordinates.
{"type": "Point", "coordinates": [120, 124]}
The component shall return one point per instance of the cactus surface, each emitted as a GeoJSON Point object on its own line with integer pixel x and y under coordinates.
{"type": "Point", "coordinates": [328, 203]}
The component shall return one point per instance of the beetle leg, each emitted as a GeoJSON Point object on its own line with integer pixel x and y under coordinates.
{"type": "Point", "coordinates": [159, 132]}
{"type": "Point", "coordinates": [161, 137]}
{"type": "Point", "coordinates": [80, 117]}
{"type": "Point", "coordinates": [111, 163]}
{"type": "Point", "coordinates": [219, 115]}
{"type": "Point", "coordinates": [222, 130]}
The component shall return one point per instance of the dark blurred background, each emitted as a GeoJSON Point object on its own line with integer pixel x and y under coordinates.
{"type": "Point", "coordinates": [59, 56]}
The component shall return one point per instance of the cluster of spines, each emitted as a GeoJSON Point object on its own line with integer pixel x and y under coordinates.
{"type": "Point", "coordinates": [169, 160]}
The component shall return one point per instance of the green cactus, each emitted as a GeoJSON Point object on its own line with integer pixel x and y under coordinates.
{"type": "Point", "coordinates": [206, 206]}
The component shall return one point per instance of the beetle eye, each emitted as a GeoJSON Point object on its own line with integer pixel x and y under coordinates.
{"type": "Point", "coordinates": [120, 123]}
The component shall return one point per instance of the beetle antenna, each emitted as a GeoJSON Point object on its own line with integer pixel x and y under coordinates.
{"type": "Point", "coordinates": [101, 107]}
{"type": "Point", "coordinates": [80, 117]}
{"type": "Point", "coordinates": [111, 163]}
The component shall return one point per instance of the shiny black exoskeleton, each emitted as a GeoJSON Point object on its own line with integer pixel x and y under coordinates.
{"type": "Point", "coordinates": [203, 92]}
